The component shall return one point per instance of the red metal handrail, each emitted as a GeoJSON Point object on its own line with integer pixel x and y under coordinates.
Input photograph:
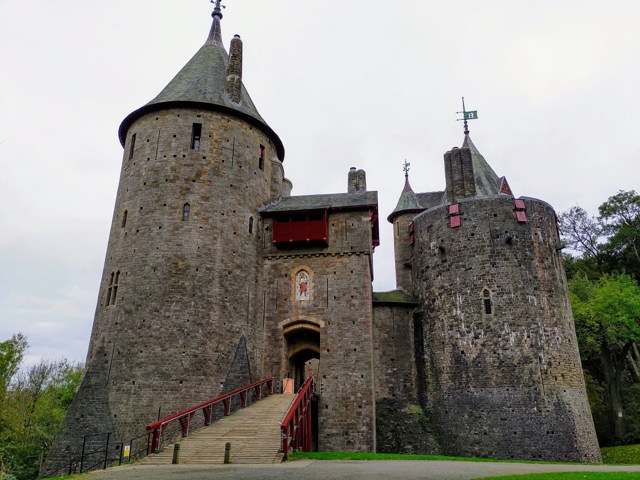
{"type": "Point", "coordinates": [296, 429]}
{"type": "Point", "coordinates": [184, 417]}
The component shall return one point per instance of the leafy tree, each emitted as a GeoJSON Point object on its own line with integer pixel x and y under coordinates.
{"type": "Point", "coordinates": [582, 232]}
{"type": "Point", "coordinates": [32, 409]}
{"type": "Point", "coordinates": [607, 317]}
{"type": "Point", "coordinates": [11, 355]}
{"type": "Point", "coordinates": [609, 243]}
{"type": "Point", "coordinates": [620, 221]}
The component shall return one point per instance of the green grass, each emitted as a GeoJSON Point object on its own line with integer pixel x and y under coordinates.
{"type": "Point", "coordinates": [77, 476]}
{"type": "Point", "coordinates": [392, 456]}
{"type": "Point", "coordinates": [622, 455]}
{"type": "Point", "coordinates": [571, 476]}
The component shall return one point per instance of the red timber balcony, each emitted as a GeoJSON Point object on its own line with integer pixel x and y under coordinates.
{"type": "Point", "coordinates": [299, 228]}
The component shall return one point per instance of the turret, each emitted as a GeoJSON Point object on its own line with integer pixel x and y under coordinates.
{"type": "Point", "coordinates": [503, 360]}
{"type": "Point", "coordinates": [177, 317]}
{"type": "Point", "coordinates": [402, 220]}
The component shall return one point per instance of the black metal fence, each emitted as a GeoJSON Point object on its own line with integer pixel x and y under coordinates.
{"type": "Point", "coordinates": [99, 451]}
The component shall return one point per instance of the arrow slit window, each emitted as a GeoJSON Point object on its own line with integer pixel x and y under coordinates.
{"type": "Point", "coordinates": [486, 300]}
{"type": "Point", "coordinates": [196, 133]}
{"type": "Point", "coordinates": [112, 290]}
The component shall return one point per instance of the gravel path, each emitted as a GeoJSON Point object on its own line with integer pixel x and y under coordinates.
{"type": "Point", "coordinates": [343, 470]}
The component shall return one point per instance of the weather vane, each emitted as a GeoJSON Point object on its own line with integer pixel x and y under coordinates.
{"type": "Point", "coordinates": [405, 168]}
{"type": "Point", "coordinates": [472, 115]}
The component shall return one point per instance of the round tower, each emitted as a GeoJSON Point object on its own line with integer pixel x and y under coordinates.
{"type": "Point", "coordinates": [176, 321]}
{"type": "Point", "coordinates": [505, 379]}
{"type": "Point", "coordinates": [402, 220]}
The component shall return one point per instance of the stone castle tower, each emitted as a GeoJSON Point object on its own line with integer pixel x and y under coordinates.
{"type": "Point", "coordinates": [216, 276]}
{"type": "Point", "coordinates": [502, 361]}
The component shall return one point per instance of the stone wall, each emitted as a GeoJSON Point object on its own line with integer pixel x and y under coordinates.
{"type": "Point", "coordinates": [505, 379]}
{"type": "Point", "coordinates": [402, 424]}
{"type": "Point", "coordinates": [334, 325]}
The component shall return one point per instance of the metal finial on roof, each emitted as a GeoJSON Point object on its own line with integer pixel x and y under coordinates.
{"type": "Point", "coordinates": [405, 167]}
{"type": "Point", "coordinates": [217, 11]}
{"type": "Point", "coordinates": [472, 115]}
{"type": "Point", "coordinates": [215, 34]}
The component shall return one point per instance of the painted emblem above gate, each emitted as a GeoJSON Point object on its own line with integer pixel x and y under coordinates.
{"type": "Point", "coordinates": [303, 285]}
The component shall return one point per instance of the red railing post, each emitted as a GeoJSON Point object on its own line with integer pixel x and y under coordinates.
{"type": "Point", "coordinates": [184, 417]}
{"type": "Point", "coordinates": [296, 426]}
{"type": "Point", "coordinates": [206, 411]}
{"type": "Point", "coordinates": [155, 439]}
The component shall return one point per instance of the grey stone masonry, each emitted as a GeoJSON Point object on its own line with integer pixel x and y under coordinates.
{"type": "Point", "coordinates": [505, 379]}
{"type": "Point", "coordinates": [179, 290]}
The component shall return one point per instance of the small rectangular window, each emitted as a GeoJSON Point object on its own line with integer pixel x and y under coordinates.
{"type": "Point", "coordinates": [132, 146]}
{"type": "Point", "coordinates": [487, 306]}
{"type": "Point", "coordinates": [261, 158]}
{"type": "Point", "coordinates": [196, 132]}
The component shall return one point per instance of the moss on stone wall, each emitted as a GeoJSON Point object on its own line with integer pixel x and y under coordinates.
{"type": "Point", "coordinates": [403, 427]}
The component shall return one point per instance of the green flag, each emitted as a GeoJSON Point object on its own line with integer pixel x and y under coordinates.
{"type": "Point", "coordinates": [471, 115]}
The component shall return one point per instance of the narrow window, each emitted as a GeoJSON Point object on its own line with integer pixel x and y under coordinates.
{"type": "Point", "coordinates": [250, 224]}
{"type": "Point", "coordinates": [487, 301]}
{"type": "Point", "coordinates": [261, 158]}
{"type": "Point", "coordinates": [196, 132]}
{"type": "Point", "coordinates": [112, 291]}
{"type": "Point", "coordinates": [115, 288]}
{"type": "Point", "coordinates": [185, 212]}
{"type": "Point", "coordinates": [124, 219]}
{"type": "Point", "coordinates": [132, 146]}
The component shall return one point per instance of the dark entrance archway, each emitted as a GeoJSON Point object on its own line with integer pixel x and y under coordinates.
{"type": "Point", "coordinates": [303, 354]}
{"type": "Point", "coordinates": [303, 350]}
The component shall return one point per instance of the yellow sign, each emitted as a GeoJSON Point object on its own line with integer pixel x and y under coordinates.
{"type": "Point", "coordinates": [127, 451]}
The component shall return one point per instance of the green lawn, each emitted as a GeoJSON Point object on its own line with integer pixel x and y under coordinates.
{"type": "Point", "coordinates": [571, 476]}
{"type": "Point", "coordinates": [393, 456]}
{"type": "Point", "coordinates": [623, 455]}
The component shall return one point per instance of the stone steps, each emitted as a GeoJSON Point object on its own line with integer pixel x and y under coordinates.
{"type": "Point", "coordinates": [254, 434]}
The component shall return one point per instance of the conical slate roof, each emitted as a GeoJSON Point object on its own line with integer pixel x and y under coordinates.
{"type": "Point", "coordinates": [410, 202]}
{"type": "Point", "coordinates": [485, 178]}
{"type": "Point", "coordinates": [201, 84]}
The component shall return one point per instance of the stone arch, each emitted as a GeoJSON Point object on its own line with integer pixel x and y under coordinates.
{"type": "Point", "coordinates": [302, 340]}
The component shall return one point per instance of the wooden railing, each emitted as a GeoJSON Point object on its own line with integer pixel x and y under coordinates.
{"type": "Point", "coordinates": [296, 428]}
{"type": "Point", "coordinates": [180, 424]}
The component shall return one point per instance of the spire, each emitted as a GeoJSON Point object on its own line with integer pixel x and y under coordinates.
{"type": "Point", "coordinates": [407, 187]}
{"type": "Point", "coordinates": [408, 201]}
{"type": "Point", "coordinates": [210, 81]}
{"type": "Point", "coordinates": [215, 34]}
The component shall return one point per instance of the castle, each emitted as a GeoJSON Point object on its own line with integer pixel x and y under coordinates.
{"type": "Point", "coordinates": [216, 276]}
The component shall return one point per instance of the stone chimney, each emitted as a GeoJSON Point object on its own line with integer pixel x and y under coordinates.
{"type": "Point", "coordinates": [233, 83]}
{"type": "Point", "coordinates": [458, 169]}
{"type": "Point", "coordinates": [357, 181]}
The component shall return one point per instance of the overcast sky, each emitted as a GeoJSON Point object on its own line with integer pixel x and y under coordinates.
{"type": "Point", "coordinates": [556, 84]}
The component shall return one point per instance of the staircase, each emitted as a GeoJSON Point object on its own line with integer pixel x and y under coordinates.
{"type": "Point", "coordinates": [254, 434]}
